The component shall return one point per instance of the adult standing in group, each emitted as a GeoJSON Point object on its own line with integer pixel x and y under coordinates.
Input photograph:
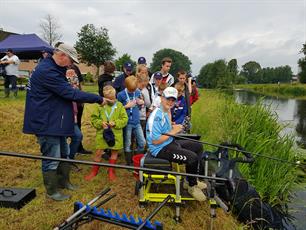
{"type": "Point", "coordinates": [49, 116]}
{"type": "Point", "coordinates": [107, 77]}
{"type": "Point", "coordinates": [119, 83]}
{"type": "Point", "coordinates": [167, 77]}
{"type": "Point", "coordinates": [11, 62]}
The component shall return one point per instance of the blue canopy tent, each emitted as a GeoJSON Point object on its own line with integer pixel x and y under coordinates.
{"type": "Point", "coordinates": [25, 46]}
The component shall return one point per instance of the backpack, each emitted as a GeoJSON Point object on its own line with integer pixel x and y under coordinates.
{"type": "Point", "coordinates": [244, 200]}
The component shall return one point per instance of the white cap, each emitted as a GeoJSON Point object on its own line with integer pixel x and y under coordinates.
{"type": "Point", "coordinates": [170, 92]}
{"type": "Point", "coordinates": [70, 51]}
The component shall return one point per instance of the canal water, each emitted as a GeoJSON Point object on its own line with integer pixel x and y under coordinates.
{"type": "Point", "coordinates": [292, 114]}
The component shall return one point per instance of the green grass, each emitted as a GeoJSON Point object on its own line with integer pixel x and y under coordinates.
{"type": "Point", "coordinates": [284, 90]}
{"type": "Point", "coordinates": [257, 130]}
{"type": "Point", "coordinates": [42, 213]}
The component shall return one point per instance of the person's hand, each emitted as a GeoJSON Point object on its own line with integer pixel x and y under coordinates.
{"type": "Point", "coordinates": [106, 100]}
{"type": "Point", "coordinates": [112, 124]}
{"type": "Point", "coordinates": [130, 104]}
{"type": "Point", "coordinates": [139, 101]}
{"type": "Point", "coordinates": [104, 125]}
{"type": "Point", "coordinates": [176, 129]}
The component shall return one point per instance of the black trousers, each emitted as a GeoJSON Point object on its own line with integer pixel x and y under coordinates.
{"type": "Point", "coordinates": [184, 152]}
{"type": "Point", "coordinates": [10, 80]}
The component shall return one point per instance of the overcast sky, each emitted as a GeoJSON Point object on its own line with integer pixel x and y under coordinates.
{"type": "Point", "coordinates": [270, 32]}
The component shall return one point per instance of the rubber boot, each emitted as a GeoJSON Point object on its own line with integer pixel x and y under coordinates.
{"type": "Point", "coordinates": [93, 173]}
{"type": "Point", "coordinates": [15, 94]}
{"type": "Point", "coordinates": [63, 171]}
{"type": "Point", "coordinates": [50, 182]}
{"type": "Point", "coordinates": [111, 171]}
{"type": "Point", "coordinates": [128, 157]}
{"type": "Point", "coordinates": [6, 92]}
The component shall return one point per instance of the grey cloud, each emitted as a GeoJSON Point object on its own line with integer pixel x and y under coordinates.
{"type": "Point", "coordinates": [270, 32]}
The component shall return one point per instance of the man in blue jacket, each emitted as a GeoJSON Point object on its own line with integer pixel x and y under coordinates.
{"type": "Point", "coordinates": [49, 115]}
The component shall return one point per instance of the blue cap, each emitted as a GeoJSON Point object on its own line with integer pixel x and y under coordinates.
{"type": "Point", "coordinates": [128, 66]}
{"type": "Point", "coordinates": [142, 60]}
{"type": "Point", "coordinates": [158, 75]}
{"type": "Point", "coordinates": [189, 74]}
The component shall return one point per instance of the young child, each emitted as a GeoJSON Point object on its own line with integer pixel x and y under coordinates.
{"type": "Point", "coordinates": [179, 110]}
{"type": "Point", "coordinates": [166, 147]}
{"type": "Point", "coordinates": [142, 83]}
{"type": "Point", "coordinates": [156, 100]}
{"type": "Point", "coordinates": [112, 115]}
{"type": "Point", "coordinates": [130, 97]}
{"type": "Point", "coordinates": [76, 139]}
{"type": "Point", "coordinates": [194, 96]}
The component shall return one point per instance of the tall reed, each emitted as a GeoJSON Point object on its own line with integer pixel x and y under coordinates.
{"type": "Point", "coordinates": [257, 130]}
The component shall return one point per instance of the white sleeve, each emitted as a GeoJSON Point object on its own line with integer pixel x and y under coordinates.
{"type": "Point", "coordinates": [5, 57]}
{"type": "Point", "coordinates": [152, 78]}
{"type": "Point", "coordinates": [171, 80]}
{"type": "Point", "coordinates": [16, 60]}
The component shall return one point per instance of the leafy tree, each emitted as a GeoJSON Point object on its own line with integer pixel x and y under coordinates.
{"type": "Point", "coordinates": [215, 75]}
{"type": "Point", "coordinates": [232, 67]}
{"type": "Point", "coordinates": [94, 46]}
{"type": "Point", "coordinates": [179, 61]}
{"type": "Point", "coordinates": [302, 65]}
{"type": "Point", "coordinates": [205, 77]}
{"type": "Point", "coordinates": [50, 29]}
{"type": "Point", "coordinates": [121, 60]}
{"type": "Point", "coordinates": [252, 72]}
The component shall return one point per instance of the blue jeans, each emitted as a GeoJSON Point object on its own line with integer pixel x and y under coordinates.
{"type": "Point", "coordinates": [138, 133]}
{"type": "Point", "coordinates": [75, 141]}
{"type": "Point", "coordinates": [51, 146]}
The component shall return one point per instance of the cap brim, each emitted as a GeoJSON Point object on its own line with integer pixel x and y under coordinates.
{"type": "Point", "coordinates": [75, 60]}
{"type": "Point", "coordinates": [171, 98]}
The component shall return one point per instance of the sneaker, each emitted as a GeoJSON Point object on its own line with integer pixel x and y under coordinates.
{"type": "Point", "coordinates": [196, 193]}
{"type": "Point", "coordinates": [201, 185]}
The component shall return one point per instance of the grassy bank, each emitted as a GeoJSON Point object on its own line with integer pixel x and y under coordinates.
{"type": "Point", "coordinates": [256, 129]}
{"type": "Point", "coordinates": [42, 213]}
{"type": "Point", "coordinates": [281, 90]}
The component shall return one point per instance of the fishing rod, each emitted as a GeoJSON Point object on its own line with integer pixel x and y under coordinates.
{"type": "Point", "coordinates": [37, 157]}
{"type": "Point", "coordinates": [298, 163]}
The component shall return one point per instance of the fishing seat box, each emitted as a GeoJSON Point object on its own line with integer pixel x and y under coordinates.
{"type": "Point", "coordinates": [15, 197]}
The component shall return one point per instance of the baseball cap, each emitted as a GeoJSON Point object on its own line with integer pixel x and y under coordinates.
{"type": "Point", "coordinates": [128, 66]}
{"type": "Point", "coordinates": [158, 75]}
{"type": "Point", "coordinates": [142, 60]}
{"type": "Point", "coordinates": [189, 74]}
{"type": "Point", "coordinates": [70, 51]}
{"type": "Point", "coordinates": [170, 92]}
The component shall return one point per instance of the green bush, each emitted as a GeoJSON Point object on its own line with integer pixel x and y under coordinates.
{"type": "Point", "coordinates": [89, 78]}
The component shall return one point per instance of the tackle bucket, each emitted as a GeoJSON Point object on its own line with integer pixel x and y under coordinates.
{"type": "Point", "coordinates": [136, 162]}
